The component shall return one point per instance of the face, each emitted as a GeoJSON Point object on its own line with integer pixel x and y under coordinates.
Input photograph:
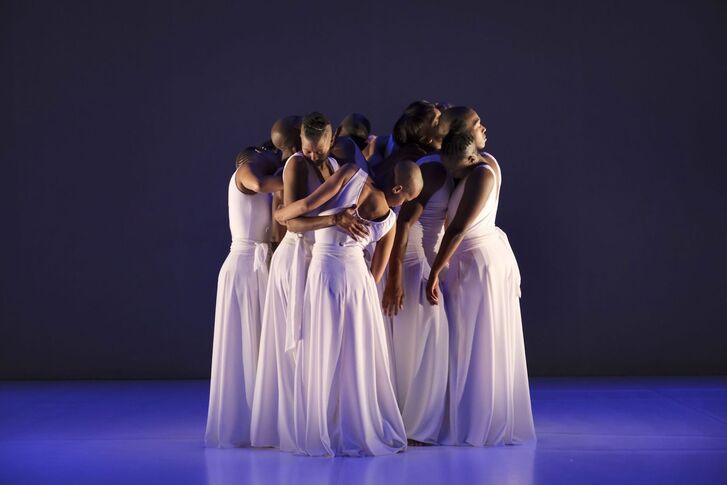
{"type": "Point", "coordinates": [434, 131]}
{"type": "Point", "coordinates": [476, 129]}
{"type": "Point", "coordinates": [317, 151]}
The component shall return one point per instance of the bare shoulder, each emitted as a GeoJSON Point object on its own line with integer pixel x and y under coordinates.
{"type": "Point", "coordinates": [488, 156]}
{"type": "Point", "coordinates": [296, 164]}
{"type": "Point", "coordinates": [480, 176]}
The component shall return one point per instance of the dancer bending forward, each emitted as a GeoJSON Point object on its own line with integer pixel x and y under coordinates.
{"type": "Point", "coordinates": [344, 398]}
{"type": "Point", "coordinates": [488, 401]}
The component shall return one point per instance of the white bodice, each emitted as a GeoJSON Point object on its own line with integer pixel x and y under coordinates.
{"type": "Point", "coordinates": [484, 223]}
{"type": "Point", "coordinates": [427, 232]}
{"type": "Point", "coordinates": [346, 197]}
{"type": "Point", "coordinates": [250, 214]}
{"type": "Point", "coordinates": [313, 184]}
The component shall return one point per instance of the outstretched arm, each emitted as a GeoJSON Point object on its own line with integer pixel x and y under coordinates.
{"type": "Point", "coordinates": [434, 176]}
{"type": "Point", "coordinates": [381, 254]}
{"type": "Point", "coordinates": [320, 196]}
{"type": "Point", "coordinates": [477, 189]}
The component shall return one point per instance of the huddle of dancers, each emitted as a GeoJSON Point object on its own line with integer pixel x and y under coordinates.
{"type": "Point", "coordinates": [389, 312]}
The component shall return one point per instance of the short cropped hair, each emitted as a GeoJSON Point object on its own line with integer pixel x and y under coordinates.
{"type": "Point", "coordinates": [456, 143]}
{"type": "Point", "coordinates": [314, 125]}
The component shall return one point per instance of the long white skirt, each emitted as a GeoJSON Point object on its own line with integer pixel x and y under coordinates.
{"type": "Point", "coordinates": [488, 399]}
{"type": "Point", "coordinates": [241, 290]}
{"type": "Point", "coordinates": [272, 409]}
{"type": "Point", "coordinates": [420, 351]}
{"type": "Point", "coordinates": [344, 399]}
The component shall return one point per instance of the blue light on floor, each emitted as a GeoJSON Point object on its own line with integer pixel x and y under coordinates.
{"type": "Point", "coordinates": [591, 431]}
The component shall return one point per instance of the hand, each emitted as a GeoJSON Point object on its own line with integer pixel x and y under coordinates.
{"type": "Point", "coordinates": [349, 221]}
{"type": "Point", "coordinates": [432, 290]}
{"type": "Point", "coordinates": [393, 300]}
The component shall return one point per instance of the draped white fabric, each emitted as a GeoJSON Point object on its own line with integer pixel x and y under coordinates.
{"type": "Point", "coordinates": [344, 399]}
{"type": "Point", "coordinates": [272, 409]}
{"type": "Point", "coordinates": [419, 331]}
{"type": "Point", "coordinates": [241, 290]}
{"type": "Point", "coordinates": [240, 297]}
{"type": "Point", "coordinates": [420, 339]}
{"type": "Point", "coordinates": [488, 399]}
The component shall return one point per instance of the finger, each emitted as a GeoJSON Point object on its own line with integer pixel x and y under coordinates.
{"type": "Point", "coordinates": [360, 231]}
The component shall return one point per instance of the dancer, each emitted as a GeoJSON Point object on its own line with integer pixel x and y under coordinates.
{"type": "Point", "coordinates": [240, 297]}
{"type": "Point", "coordinates": [344, 399]}
{"type": "Point", "coordinates": [419, 332]}
{"type": "Point", "coordinates": [488, 400]}
{"type": "Point", "coordinates": [272, 413]}
{"type": "Point", "coordinates": [414, 135]}
{"type": "Point", "coordinates": [285, 136]}
{"type": "Point", "coordinates": [416, 125]}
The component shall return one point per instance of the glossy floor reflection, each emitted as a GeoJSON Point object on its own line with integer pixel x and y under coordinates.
{"type": "Point", "coordinates": [591, 431]}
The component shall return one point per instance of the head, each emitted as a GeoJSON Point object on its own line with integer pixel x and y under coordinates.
{"type": "Point", "coordinates": [357, 127]}
{"type": "Point", "coordinates": [316, 136]}
{"type": "Point", "coordinates": [257, 153]}
{"type": "Point", "coordinates": [408, 184]}
{"type": "Point", "coordinates": [463, 118]}
{"type": "Point", "coordinates": [459, 151]}
{"type": "Point", "coordinates": [418, 125]}
{"type": "Point", "coordinates": [285, 135]}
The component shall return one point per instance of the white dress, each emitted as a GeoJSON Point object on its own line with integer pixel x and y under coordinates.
{"type": "Point", "coordinates": [488, 400]}
{"type": "Point", "coordinates": [419, 332]}
{"type": "Point", "coordinates": [344, 399]}
{"type": "Point", "coordinates": [272, 410]}
{"type": "Point", "coordinates": [240, 297]}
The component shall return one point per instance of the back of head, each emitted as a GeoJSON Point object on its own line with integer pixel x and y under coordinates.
{"type": "Point", "coordinates": [355, 125]}
{"type": "Point", "coordinates": [314, 126]}
{"type": "Point", "coordinates": [247, 154]}
{"type": "Point", "coordinates": [409, 176]}
{"type": "Point", "coordinates": [456, 146]}
{"type": "Point", "coordinates": [453, 119]}
{"type": "Point", "coordinates": [285, 133]}
{"type": "Point", "coordinates": [415, 124]}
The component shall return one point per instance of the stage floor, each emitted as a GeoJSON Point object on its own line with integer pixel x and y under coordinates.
{"type": "Point", "coordinates": [590, 431]}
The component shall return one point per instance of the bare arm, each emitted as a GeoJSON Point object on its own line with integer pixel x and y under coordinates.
{"type": "Point", "coordinates": [295, 180]}
{"type": "Point", "coordinates": [434, 176]}
{"type": "Point", "coordinates": [257, 177]}
{"type": "Point", "coordinates": [381, 254]}
{"type": "Point", "coordinates": [478, 186]}
{"type": "Point", "coordinates": [277, 231]}
{"type": "Point", "coordinates": [320, 196]}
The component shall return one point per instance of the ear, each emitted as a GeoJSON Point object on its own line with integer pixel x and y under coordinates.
{"type": "Point", "coordinates": [396, 189]}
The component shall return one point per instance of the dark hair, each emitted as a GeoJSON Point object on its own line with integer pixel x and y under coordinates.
{"type": "Point", "coordinates": [456, 143]}
{"type": "Point", "coordinates": [452, 119]}
{"type": "Point", "coordinates": [314, 125]}
{"type": "Point", "coordinates": [245, 156]}
{"type": "Point", "coordinates": [413, 125]}
{"type": "Point", "coordinates": [356, 126]}
{"type": "Point", "coordinates": [267, 145]}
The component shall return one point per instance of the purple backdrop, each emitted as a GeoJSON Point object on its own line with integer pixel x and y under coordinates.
{"type": "Point", "coordinates": [120, 125]}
